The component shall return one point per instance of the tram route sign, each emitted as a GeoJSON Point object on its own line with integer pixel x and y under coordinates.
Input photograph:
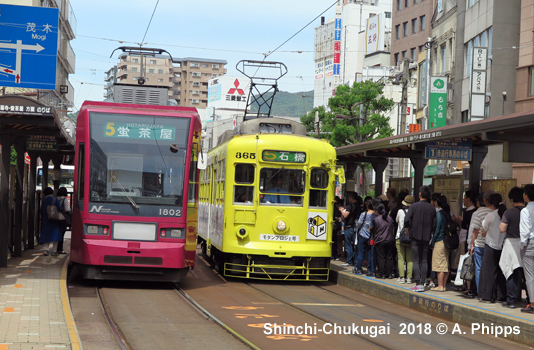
{"type": "Point", "coordinates": [283, 157]}
{"type": "Point", "coordinates": [28, 46]}
{"type": "Point", "coordinates": [454, 149]}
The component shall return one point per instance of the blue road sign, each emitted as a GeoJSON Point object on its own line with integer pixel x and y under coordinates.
{"type": "Point", "coordinates": [28, 46]}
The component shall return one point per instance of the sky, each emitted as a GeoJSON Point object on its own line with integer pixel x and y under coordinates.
{"type": "Point", "coordinates": [230, 30]}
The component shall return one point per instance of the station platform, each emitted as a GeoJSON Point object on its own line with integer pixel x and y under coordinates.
{"type": "Point", "coordinates": [34, 303]}
{"type": "Point", "coordinates": [449, 305]}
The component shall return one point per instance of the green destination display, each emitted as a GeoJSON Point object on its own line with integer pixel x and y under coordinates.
{"type": "Point", "coordinates": [285, 157]}
{"type": "Point", "coordinates": [139, 131]}
{"type": "Point", "coordinates": [438, 102]}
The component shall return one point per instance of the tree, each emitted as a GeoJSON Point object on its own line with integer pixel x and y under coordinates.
{"type": "Point", "coordinates": [362, 108]}
{"type": "Point", "coordinates": [356, 115]}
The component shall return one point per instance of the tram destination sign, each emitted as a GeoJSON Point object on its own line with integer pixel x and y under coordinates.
{"type": "Point", "coordinates": [140, 131]}
{"type": "Point", "coordinates": [283, 157]}
{"type": "Point", "coordinates": [454, 149]}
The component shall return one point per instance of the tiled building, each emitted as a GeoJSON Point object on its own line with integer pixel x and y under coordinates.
{"type": "Point", "coordinates": [411, 28]}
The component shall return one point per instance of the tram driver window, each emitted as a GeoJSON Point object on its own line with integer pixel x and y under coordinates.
{"type": "Point", "coordinates": [290, 182]}
{"type": "Point", "coordinates": [244, 179]}
{"type": "Point", "coordinates": [318, 179]}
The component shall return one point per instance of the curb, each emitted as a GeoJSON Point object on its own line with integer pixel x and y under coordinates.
{"type": "Point", "coordinates": [440, 307]}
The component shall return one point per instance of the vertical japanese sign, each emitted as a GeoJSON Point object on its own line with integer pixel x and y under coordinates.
{"type": "Point", "coordinates": [438, 102]}
{"type": "Point", "coordinates": [28, 46]}
{"type": "Point", "coordinates": [374, 34]}
{"type": "Point", "coordinates": [337, 46]}
{"type": "Point", "coordinates": [478, 83]}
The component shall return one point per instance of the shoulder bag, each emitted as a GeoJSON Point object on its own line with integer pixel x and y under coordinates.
{"type": "Point", "coordinates": [404, 238]}
{"type": "Point", "coordinates": [53, 212]}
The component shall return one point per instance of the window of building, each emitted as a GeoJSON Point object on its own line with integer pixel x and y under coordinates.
{"type": "Point", "coordinates": [387, 14]}
{"type": "Point", "coordinates": [397, 31]}
{"type": "Point", "coordinates": [396, 59]}
{"type": "Point", "coordinates": [135, 60]}
{"type": "Point", "coordinates": [196, 83]}
{"type": "Point", "coordinates": [152, 71]}
{"type": "Point", "coordinates": [414, 2]}
{"type": "Point", "coordinates": [195, 101]}
{"type": "Point", "coordinates": [160, 71]}
{"type": "Point", "coordinates": [406, 3]}
{"type": "Point", "coordinates": [196, 74]}
{"type": "Point", "coordinates": [444, 58]}
{"type": "Point", "coordinates": [195, 92]}
{"type": "Point", "coordinates": [405, 28]}
{"type": "Point", "coordinates": [465, 116]}
{"type": "Point", "coordinates": [399, 7]}
{"type": "Point", "coordinates": [413, 52]}
{"type": "Point", "coordinates": [194, 65]}
{"type": "Point", "coordinates": [414, 25]}
{"type": "Point", "coordinates": [134, 69]}
{"type": "Point", "coordinates": [214, 75]}
{"type": "Point", "coordinates": [470, 3]}
{"type": "Point", "coordinates": [531, 81]}
{"type": "Point", "coordinates": [152, 61]}
{"type": "Point", "coordinates": [422, 19]}
{"type": "Point", "coordinates": [421, 48]}
{"type": "Point", "coordinates": [215, 66]}
{"type": "Point", "coordinates": [404, 53]}
{"type": "Point", "coordinates": [160, 80]}
{"type": "Point", "coordinates": [204, 65]}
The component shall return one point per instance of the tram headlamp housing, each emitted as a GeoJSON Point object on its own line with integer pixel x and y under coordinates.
{"type": "Point", "coordinates": [96, 230]}
{"type": "Point", "coordinates": [241, 232]}
{"type": "Point", "coordinates": [281, 225]}
{"type": "Point", "coordinates": [92, 229]}
{"type": "Point", "coordinates": [172, 233]}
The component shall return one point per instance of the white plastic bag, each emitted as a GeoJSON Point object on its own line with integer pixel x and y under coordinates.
{"type": "Point", "coordinates": [458, 281]}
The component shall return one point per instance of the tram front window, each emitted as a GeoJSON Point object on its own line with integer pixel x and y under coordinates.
{"type": "Point", "coordinates": [279, 186]}
{"type": "Point", "coordinates": [143, 161]}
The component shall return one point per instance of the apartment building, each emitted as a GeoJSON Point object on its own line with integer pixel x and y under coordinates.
{"type": "Point", "coordinates": [63, 96]}
{"type": "Point", "coordinates": [191, 76]}
{"type": "Point", "coordinates": [410, 29]}
{"type": "Point", "coordinates": [156, 70]}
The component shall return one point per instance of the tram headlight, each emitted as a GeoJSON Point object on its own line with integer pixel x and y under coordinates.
{"type": "Point", "coordinates": [176, 233]}
{"type": "Point", "coordinates": [281, 225]}
{"type": "Point", "coordinates": [241, 232]}
{"type": "Point", "coordinates": [92, 229]}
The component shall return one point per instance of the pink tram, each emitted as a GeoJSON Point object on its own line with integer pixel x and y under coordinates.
{"type": "Point", "coordinates": [135, 191]}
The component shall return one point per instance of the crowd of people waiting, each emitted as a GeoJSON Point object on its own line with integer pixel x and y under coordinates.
{"type": "Point", "coordinates": [501, 241]}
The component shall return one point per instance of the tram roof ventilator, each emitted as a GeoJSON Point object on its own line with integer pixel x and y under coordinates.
{"type": "Point", "coordinates": [141, 94]}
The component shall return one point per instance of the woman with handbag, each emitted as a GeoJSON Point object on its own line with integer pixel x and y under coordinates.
{"type": "Point", "coordinates": [50, 228]}
{"type": "Point", "coordinates": [62, 198]}
{"type": "Point", "coordinates": [404, 249]}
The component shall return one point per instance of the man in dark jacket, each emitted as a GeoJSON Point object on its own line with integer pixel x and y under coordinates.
{"type": "Point", "coordinates": [420, 221]}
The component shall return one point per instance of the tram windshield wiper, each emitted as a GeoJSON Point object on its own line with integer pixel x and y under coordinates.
{"type": "Point", "coordinates": [272, 176]}
{"type": "Point", "coordinates": [114, 179]}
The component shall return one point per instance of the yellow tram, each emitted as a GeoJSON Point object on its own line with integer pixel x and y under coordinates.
{"type": "Point", "coordinates": [266, 202]}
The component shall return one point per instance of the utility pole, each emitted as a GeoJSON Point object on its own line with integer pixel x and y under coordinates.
{"type": "Point", "coordinates": [318, 123]}
{"type": "Point", "coordinates": [404, 99]}
{"type": "Point", "coordinates": [428, 46]}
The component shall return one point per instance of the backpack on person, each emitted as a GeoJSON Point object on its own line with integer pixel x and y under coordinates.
{"type": "Point", "coordinates": [451, 239]}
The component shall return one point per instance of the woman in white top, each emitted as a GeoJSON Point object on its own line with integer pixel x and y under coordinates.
{"type": "Point", "coordinates": [404, 251]}
{"type": "Point", "coordinates": [492, 282]}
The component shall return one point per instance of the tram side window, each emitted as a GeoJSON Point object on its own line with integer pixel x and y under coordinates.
{"type": "Point", "coordinates": [318, 179]}
{"type": "Point", "coordinates": [81, 171]}
{"type": "Point", "coordinates": [244, 179]}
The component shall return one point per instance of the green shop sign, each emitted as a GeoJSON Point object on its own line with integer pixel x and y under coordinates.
{"type": "Point", "coordinates": [438, 103]}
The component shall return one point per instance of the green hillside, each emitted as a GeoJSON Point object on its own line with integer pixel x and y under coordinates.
{"type": "Point", "coordinates": [290, 104]}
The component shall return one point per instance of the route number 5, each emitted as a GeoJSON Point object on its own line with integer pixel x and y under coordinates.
{"type": "Point", "coordinates": [110, 130]}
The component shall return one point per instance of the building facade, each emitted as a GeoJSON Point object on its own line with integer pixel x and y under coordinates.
{"type": "Point", "coordinates": [340, 44]}
{"type": "Point", "coordinates": [410, 28]}
{"type": "Point", "coordinates": [191, 76]}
